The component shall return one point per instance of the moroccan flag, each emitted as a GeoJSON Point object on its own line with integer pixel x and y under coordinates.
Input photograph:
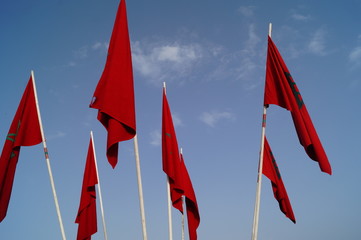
{"type": "Point", "coordinates": [170, 156]}
{"type": "Point", "coordinates": [87, 214]}
{"type": "Point", "coordinates": [24, 131]}
{"type": "Point", "coordinates": [270, 170]}
{"type": "Point", "coordinates": [114, 94]}
{"type": "Point", "coordinates": [281, 90]}
{"type": "Point", "coordinates": [191, 202]}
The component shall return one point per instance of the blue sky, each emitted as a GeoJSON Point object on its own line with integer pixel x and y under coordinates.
{"type": "Point", "coordinates": [212, 56]}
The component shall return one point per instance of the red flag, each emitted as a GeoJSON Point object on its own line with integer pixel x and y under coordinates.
{"type": "Point", "coordinates": [191, 202]}
{"type": "Point", "coordinates": [270, 170]}
{"type": "Point", "coordinates": [114, 94]}
{"type": "Point", "coordinates": [24, 131]}
{"type": "Point", "coordinates": [281, 90]}
{"type": "Point", "coordinates": [87, 215]}
{"type": "Point", "coordinates": [170, 156]}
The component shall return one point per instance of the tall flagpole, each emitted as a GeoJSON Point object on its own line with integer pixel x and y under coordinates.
{"type": "Point", "coordinates": [184, 207]}
{"type": "Point", "coordinates": [260, 168]}
{"type": "Point", "coordinates": [170, 228]}
{"type": "Point", "coordinates": [48, 160]}
{"type": "Point", "coordinates": [140, 188]}
{"type": "Point", "coordinates": [170, 224]}
{"type": "Point", "coordinates": [100, 192]}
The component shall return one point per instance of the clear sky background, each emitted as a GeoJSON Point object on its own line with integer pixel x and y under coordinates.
{"type": "Point", "coordinates": [212, 56]}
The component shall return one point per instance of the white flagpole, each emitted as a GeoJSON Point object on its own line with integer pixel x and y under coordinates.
{"type": "Point", "coordinates": [260, 169]}
{"type": "Point", "coordinates": [170, 228]}
{"type": "Point", "coordinates": [48, 160]}
{"type": "Point", "coordinates": [170, 225]}
{"type": "Point", "coordinates": [183, 205]}
{"type": "Point", "coordinates": [140, 188]}
{"type": "Point", "coordinates": [100, 192]}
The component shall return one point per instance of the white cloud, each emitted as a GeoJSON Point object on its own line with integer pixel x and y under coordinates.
{"type": "Point", "coordinates": [159, 60]}
{"type": "Point", "coordinates": [165, 61]}
{"type": "Point", "coordinates": [100, 46]}
{"type": "Point", "coordinates": [249, 57]}
{"type": "Point", "coordinates": [58, 134]}
{"type": "Point", "coordinates": [246, 11]}
{"type": "Point", "coordinates": [177, 121]}
{"type": "Point", "coordinates": [81, 53]}
{"type": "Point", "coordinates": [177, 54]}
{"type": "Point", "coordinates": [355, 55]}
{"type": "Point", "coordinates": [156, 138]}
{"type": "Point", "coordinates": [300, 17]}
{"type": "Point", "coordinates": [213, 117]}
{"type": "Point", "coordinates": [317, 43]}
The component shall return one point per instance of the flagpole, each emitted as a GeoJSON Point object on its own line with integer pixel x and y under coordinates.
{"type": "Point", "coordinates": [99, 189]}
{"type": "Point", "coordinates": [260, 168]}
{"type": "Point", "coordinates": [48, 160]}
{"type": "Point", "coordinates": [184, 207]}
{"type": "Point", "coordinates": [170, 229]}
{"type": "Point", "coordinates": [140, 188]}
{"type": "Point", "coordinates": [170, 224]}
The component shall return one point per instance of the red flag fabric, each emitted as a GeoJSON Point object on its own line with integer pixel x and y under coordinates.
{"type": "Point", "coordinates": [191, 202]}
{"type": "Point", "coordinates": [24, 131]}
{"type": "Point", "coordinates": [281, 90]}
{"type": "Point", "coordinates": [270, 170]}
{"type": "Point", "coordinates": [87, 215]}
{"type": "Point", "coordinates": [170, 156]}
{"type": "Point", "coordinates": [114, 94]}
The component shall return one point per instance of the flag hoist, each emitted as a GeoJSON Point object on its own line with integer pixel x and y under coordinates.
{"type": "Point", "coordinates": [114, 98]}
{"type": "Point", "coordinates": [281, 90]}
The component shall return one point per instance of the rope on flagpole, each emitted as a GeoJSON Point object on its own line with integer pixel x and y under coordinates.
{"type": "Point", "coordinates": [48, 161]}
{"type": "Point", "coordinates": [260, 168]}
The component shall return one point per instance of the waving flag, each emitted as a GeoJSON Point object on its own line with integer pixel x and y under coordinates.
{"type": "Point", "coordinates": [191, 202]}
{"type": "Point", "coordinates": [114, 94]}
{"type": "Point", "coordinates": [281, 90]}
{"type": "Point", "coordinates": [170, 156]}
{"type": "Point", "coordinates": [87, 215]}
{"type": "Point", "coordinates": [24, 131]}
{"type": "Point", "coordinates": [270, 170]}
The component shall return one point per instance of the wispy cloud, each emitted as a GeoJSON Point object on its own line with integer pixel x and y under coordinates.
{"type": "Point", "coordinates": [86, 51]}
{"type": "Point", "coordinates": [355, 55]}
{"type": "Point", "coordinates": [246, 11]}
{"type": "Point", "coordinates": [58, 134]}
{"type": "Point", "coordinates": [300, 17]}
{"type": "Point", "coordinates": [213, 117]}
{"type": "Point", "coordinates": [155, 138]}
{"type": "Point", "coordinates": [100, 46]}
{"type": "Point", "coordinates": [317, 45]}
{"type": "Point", "coordinates": [165, 61]}
{"type": "Point", "coordinates": [185, 59]}
{"type": "Point", "coordinates": [177, 121]}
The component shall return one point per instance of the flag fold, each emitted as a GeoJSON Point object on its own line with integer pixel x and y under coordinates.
{"type": "Point", "coordinates": [191, 202]}
{"type": "Point", "coordinates": [114, 94]}
{"type": "Point", "coordinates": [87, 215]}
{"type": "Point", "coordinates": [271, 171]}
